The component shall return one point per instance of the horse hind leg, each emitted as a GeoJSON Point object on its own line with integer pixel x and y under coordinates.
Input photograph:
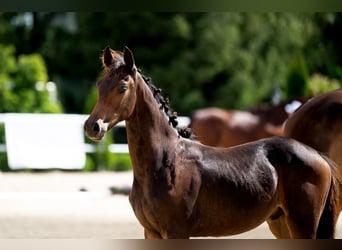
{"type": "Point", "coordinates": [278, 226]}
{"type": "Point", "coordinates": [166, 234]}
{"type": "Point", "coordinates": [295, 227]}
{"type": "Point", "coordinates": [150, 234]}
{"type": "Point", "coordinates": [302, 227]}
{"type": "Point", "coordinates": [323, 198]}
{"type": "Point", "coordinates": [304, 211]}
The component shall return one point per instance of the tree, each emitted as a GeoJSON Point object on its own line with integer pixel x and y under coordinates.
{"type": "Point", "coordinates": [297, 79]}
{"type": "Point", "coordinates": [238, 59]}
{"type": "Point", "coordinates": [230, 60]}
{"type": "Point", "coordinates": [324, 51]}
{"type": "Point", "coordinates": [24, 85]}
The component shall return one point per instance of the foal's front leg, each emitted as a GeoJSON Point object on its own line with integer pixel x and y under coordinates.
{"type": "Point", "coordinates": [279, 228]}
{"type": "Point", "coordinates": [149, 234]}
{"type": "Point", "coordinates": [171, 234]}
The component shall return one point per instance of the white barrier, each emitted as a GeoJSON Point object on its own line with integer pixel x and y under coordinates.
{"type": "Point", "coordinates": [41, 140]}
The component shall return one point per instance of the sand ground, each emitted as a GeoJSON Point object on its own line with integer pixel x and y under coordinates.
{"type": "Point", "coordinates": [51, 206]}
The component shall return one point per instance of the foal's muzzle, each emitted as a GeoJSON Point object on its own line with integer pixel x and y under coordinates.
{"type": "Point", "coordinates": [95, 130]}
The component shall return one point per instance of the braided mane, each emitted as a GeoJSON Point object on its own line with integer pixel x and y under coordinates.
{"type": "Point", "coordinates": [165, 106]}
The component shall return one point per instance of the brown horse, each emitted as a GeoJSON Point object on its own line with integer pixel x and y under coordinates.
{"type": "Point", "coordinates": [225, 128]}
{"type": "Point", "coordinates": [182, 188]}
{"type": "Point", "coordinates": [318, 123]}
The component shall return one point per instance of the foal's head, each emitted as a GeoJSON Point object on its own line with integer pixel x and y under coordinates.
{"type": "Point", "coordinates": [116, 93]}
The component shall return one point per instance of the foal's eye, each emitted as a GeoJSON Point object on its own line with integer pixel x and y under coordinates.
{"type": "Point", "coordinates": [122, 89]}
{"type": "Point", "coordinates": [126, 78]}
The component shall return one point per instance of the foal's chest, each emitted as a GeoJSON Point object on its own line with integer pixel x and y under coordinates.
{"type": "Point", "coordinates": [144, 209]}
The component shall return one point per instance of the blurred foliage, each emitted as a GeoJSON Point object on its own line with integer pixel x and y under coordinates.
{"type": "Point", "coordinates": [321, 84]}
{"type": "Point", "coordinates": [91, 100]}
{"type": "Point", "coordinates": [103, 159]}
{"type": "Point", "coordinates": [122, 162]}
{"type": "Point", "coordinates": [226, 59]}
{"type": "Point", "coordinates": [297, 79]}
{"type": "Point", "coordinates": [324, 51]}
{"type": "Point", "coordinates": [23, 83]}
{"type": "Point", "coordinates": [3, 155]}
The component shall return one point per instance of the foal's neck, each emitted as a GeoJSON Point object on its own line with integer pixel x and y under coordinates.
{"type": "Point", "coordinates": [150, 136]}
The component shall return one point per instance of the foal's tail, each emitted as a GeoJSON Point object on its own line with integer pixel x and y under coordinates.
{"type": "Point", "coordinates": [328, 220]}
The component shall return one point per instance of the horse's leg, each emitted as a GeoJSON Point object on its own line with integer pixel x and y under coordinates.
{"type": "Point", "coordinates": [302, 226]}
{"type": "Point", "coordinates": [176, 232]}
{"type": "Point", "coordinates": [170, 234]}
{"type": "Point", "coordinates": [149, 234]}
{"type": "Point", "coordinates": [304, 209]}
{"type": "Point", "coordinates": [279, 228]}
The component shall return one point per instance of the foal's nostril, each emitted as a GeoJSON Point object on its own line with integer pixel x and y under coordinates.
{"type": "Point", "coordinates": [96, 127]}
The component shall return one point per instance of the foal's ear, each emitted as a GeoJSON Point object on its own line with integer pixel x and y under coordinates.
{"type": "Point", "coordinates": [129, 59]}
{"type": "Point", "coordinates": [107, 57]}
